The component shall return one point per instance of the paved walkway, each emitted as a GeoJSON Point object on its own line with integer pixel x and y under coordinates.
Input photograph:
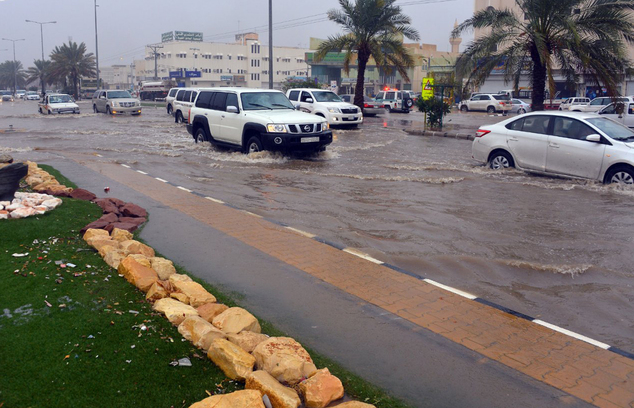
{"type": "Point", "coordinates": [586, 371]}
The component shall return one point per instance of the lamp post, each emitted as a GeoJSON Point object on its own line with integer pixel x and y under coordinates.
{"type": "Point", "coordinates": [270, 44]}
{"type": "Point", "coordinates": [42, 38]}
{"type": "Point", "coordinates": [15, 70]}
{"type": "Point", "coordinates": [96, 45]}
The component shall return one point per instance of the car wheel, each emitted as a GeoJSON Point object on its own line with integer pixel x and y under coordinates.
{"type": "Point", "coordinates": [40, 109]}
{"type": "Point", "coordinates": [521, 111]}
{"type": "Point", "coordinates": [464, 108]}
{"type": "Point", "coordinates": [179, 117]}
{"type": "Point", "coordinates": [49, 112]}
{"type": "Point", "coordinates": [253, 145]}
{"type": "Point", "coordinates": [200, 137]}
{"type": "Point", "coordinates": [169, 109]}
{"type": "Point", "coordinates": [491, 110]}
{"type": "Point", "coordinates": [108, 110]}
{"type": "Point", "coordinates": [621, 175]}
{"type": "Point", "coordinates": [500, 160]}
{"type": "Point", "coordinates": [94, 109]}
{"type": "Point", "coordinates": [408, 102]}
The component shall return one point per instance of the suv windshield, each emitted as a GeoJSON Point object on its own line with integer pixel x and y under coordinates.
{"type": "Point", "coordinates": [613, 129]}
{"type": "Point", "coordinates": [118, 94]}
{"type": "Point", "coordinates": [60, 99]}
{"type": "Point", "coordinates": [265, 100]}
{"type": "Point", "coordinates": [326, 96]}
{"type": "Point", "coordinates": [501, 97]}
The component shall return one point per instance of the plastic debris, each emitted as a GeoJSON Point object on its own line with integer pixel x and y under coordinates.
{"type": "Point", "coordinates": [266, 401]}
{"type": "Point", "coordinates": [70, 265]}
{"type": "Point", "coordinates": [91, 336]}
{"type": "Point", "coordinates": [182, 362]}
{"type": "Point", "coordinates": [20, 255]}
{"type": "Point", "coordinates": [106, 190]}
{"type": "Point", "coordinates": [48, 304]}
{"type": "Point", "coordinates": [133, 311]}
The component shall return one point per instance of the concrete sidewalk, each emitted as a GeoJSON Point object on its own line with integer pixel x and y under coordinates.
{"type": "Point", "coordinates": [424, 344]}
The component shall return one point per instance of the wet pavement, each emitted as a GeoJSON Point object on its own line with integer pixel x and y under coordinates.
{"type": "Point", "coordinates": [555, 249]}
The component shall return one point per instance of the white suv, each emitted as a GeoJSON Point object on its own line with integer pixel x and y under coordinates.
{"type": "Point", "coordinates": [490, 103]}
{"type": "Point", "coordinates": [326, 104]}
{"type": "Point", "coordinates": [252, 120]}
{"type": "Point", "coordinates": [184, 100]}
{"type": "Point", "coordinates": [574, 104]}
{"type": "Point", "coordinates": [169, 100]}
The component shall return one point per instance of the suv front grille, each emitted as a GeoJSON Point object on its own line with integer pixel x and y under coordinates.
{"type": "Point", "coordinates": [350, 110]}
{"type": "Point", "coordinates": [126, 104]}
{"type": "Point", "coordinates": [305, 128]}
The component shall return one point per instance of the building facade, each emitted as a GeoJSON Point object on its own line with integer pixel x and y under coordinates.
{"type": "Point", "coordinates": [245, 62]}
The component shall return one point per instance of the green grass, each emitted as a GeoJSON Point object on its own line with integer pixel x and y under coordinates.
{"type": "Point", "coordinates": [87, 349]}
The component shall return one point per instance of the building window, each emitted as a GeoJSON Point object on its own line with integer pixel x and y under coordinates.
{"type": "Point", "coordinates": [218, 57]}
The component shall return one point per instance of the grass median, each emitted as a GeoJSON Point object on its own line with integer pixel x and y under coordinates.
{"type": "Point", "coordinates": [74, 333]}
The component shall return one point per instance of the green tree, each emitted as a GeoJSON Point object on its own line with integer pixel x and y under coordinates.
{"type": "Point", "coordinates": [11, 73]}
{"type": "Point", "coordinates": [576, 37]}
{"type": "Point", "coordinates": [40, 70]}
{"type": "Point", "coordinates": [373, 28]}
{"type": "Point", "coordinates": [71, 61]}
{"type": "Point", "coordinates": [435, 108]}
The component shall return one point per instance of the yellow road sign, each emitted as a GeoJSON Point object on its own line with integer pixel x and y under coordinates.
{"type": "Point", "coordinates": [428, 88]}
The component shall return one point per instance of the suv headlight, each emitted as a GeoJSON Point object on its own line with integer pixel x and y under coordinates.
{"type": "Point", "coordinates": [115, 104]}
{"type": "Point", "coordinates": [324, 126]}
{"type": "Point", "coordinates": [334, 110]}
{"type": "Point", "coordinates": [273, 128]}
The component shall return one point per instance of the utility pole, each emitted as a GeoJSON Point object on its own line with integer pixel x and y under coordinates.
{"type": "Point", "coordinates": [96, 45]}
{"type": "Point", "coordinates": [155, 54]}
{"type": "Point", "coordinates": [270, 44]}
{"type": "Point", "coordinates": [42, 38]}
{"type": "Point", "coordinates": [15, 67]}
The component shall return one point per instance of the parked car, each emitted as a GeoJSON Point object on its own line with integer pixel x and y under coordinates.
{"type": "Point", "coordinates": [370, 106]}
{"type": "Point", "coordinates": [169, 100]}
{"type": "Point", "coordinates": [58, 104]}
{"type": "Point", "coordinates": [32, 96]}
{"type": "Point", "coordinates": [574, 103]}
{"type": "Point", "coordinates": [7, 98]}
{"type": "Point", "coordinates": [395, 101]}
{"type": "Point", "coordinates": [326, 104]}
{"type": "Point", "coordinates": [599, 103]}
{"type": "Point", "coordinates": [622, 112]}
{"type": "Point", "coordinates": [489, 103]}
{"type": "Point", "coordinates": [252, 120]}
{"type": "Point", "coordinates": [519, 106]}
{"type": "Point", "coordinates": [184, 100]}
{"type": "Point", "coordinates": [115, 102]}
{"type": "Point", "coordinates": [19, 94]}
{"type": "Point", "coordinates": [572, 144]}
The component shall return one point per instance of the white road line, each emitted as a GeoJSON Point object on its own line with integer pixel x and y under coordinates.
{"type": "Point", "coordinates": [450, 289]}
{"type": "Point", "coordinates": [367, 257]}
{"type": "Point", "coordinates": [160, 179]}
{"type": "Point", "coordinates": [300, 232]}
{"type": "Point", "coordinates": [214, 200]}
{"type": "Point", "coordinates": [572, 334]}
{"type": "Point", "coordinates": [142, 172]}
{"type": "Point", "coordinates": [126, 166]}
{"type": "Point", "coordinates": [250, 213]}
{"type": "Point", "coordinates": [184, 189]}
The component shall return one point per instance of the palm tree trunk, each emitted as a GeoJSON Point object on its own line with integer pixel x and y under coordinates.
{"type": "Point", "coordinates": [359, 88]}
{"type": "Point", "coordinates": [75, 87]}
{"type": "Point", "coordinates": [539, 81]}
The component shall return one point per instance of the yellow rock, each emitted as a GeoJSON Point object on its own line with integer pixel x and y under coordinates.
{"type": "Point", "coordinates": [238, 399]}
{"type": "Point", "coordinates": [236, 319]}
{"type": "Point", "coordinates": [181, 297]}
{"type": "Point", "coordinates": [321, 389]}
{"type": "Point", "coordinates": [104, 245]}
{"type": "Point", "coordinates": [43, 186]}
{"type": "Point", "coordinates": [194, 291]}
{"type": "Point", "coordinates": [93, 233]}
{"type": "Point", "coordinates": [355, 404]}
{"type": "Point", "coordinates": [164, 267]}
{"type": "Point", "coordinates": [157, 291]}
{"type": "Point", "coordinates": [246, 339]}
{"type": "Point", "coordinates": [285, 359]}
{"type": "Point", "coordinates": [199, 331]}
{"type": "Point", "coordinates": [140, 276]}
{"type": "Point", "coordinates": [132, 246]}
{"type": "Point", "coordinates": [142, 259]}
{"type": "Point", "coordinates": [113, 257]}
{"type": "Point", "coordinates": [174, 310]}
{"type": "Point", "coordinates": [210, 310]}
{"type": "Point", "coordinates": [279, 395]}
{"type": "Point", "coordinates": [232, 360]}
{"type": "Point", "coordinates": [120, 235]}
{"type": "Point", "coordinates": [177, 277]}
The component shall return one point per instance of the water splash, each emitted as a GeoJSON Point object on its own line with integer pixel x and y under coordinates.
{"type": "Point", "coordinates": [572, 270]}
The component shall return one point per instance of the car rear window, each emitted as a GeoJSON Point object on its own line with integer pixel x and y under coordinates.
{"type": "Point", "coordinates": [203, 100]}
{"type": "Point", "coordinates": [501, 97]}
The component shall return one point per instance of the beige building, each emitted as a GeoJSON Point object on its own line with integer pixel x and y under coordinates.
{"type": "Point", "coordinates": [117, 76]}
{"type": "Point", "coordinates": [244, 62]}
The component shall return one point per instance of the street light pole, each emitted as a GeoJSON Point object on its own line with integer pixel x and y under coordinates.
{"type": "Point", "coordinates": [41, 31]}
{"type": "Point", "coordinates": [15, 70]}
{"type": "Point", "coordinates": [270, 44]}
{"type": "Point", "coordinates": [96, 45]}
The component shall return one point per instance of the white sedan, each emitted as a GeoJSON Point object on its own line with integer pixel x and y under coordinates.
{"type": "Point", "coordinates": [571, 144]}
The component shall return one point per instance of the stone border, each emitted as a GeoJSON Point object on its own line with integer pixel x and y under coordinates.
{"type": "Point", "coordinates": [454, 135]}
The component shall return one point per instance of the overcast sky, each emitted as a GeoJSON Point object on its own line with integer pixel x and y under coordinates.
{"type": "Point", "coordinates": [126, 26]}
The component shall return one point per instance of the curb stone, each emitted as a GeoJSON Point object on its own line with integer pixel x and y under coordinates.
{"type": "Point", "coordinates": [464, 136]}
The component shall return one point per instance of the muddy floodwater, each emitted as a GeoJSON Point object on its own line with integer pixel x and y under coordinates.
{"type": "Point", "coordinates": [555, 249]}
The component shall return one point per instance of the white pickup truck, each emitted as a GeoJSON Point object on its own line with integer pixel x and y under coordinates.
{"type": "Point", "coordinates": [58, 104]}
{"type": "Point", "coordinates": [622, 111]}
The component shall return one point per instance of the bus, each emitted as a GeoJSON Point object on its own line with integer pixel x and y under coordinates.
{"type": "Point", "coordinates": [155, 91]}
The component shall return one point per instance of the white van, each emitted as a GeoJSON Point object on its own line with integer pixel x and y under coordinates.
{"type": "Point", "coordinates": [184, 100]}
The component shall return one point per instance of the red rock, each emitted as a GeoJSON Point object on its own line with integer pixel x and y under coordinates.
{"type": "Point", "coordinates": [117, 202]}
{"type": "Point", "coordinates": [81, 194]}
{"type": "Point", "coordinates": [57, 192]}
{"type": "Point", "coordinates": [133, 210]}
{"type": "Point", "coordinates": [107, 206]}
{"type": "Point", "coordinates": [99, 224]}
{"type": "Point", "coordinates": [132, 220]}
{"type": "Point", "coordinates": [109, 218]}
{"type": "Point", "coordinates": [128, 226]}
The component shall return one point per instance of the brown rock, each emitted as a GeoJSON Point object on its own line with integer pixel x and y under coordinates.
{"type": "Point", "coordinates": [94, 225]}
{"type": "Point", "coordinates": [104, 245]}
{"type": "Point", "coordinates": [113, 257]}
{"type": "Point", "coordinates": [174, 310]}
{"type": "Point", "coordinates": [285, 359]}
{"type": "Point", "coordinates": [142, 259]}
{"type": "Point", "coordinates": [210, 310]}
{"type": "Point", "coordinates": [235, 320]}
{"type": "Point", "coordinates": [59, 191]}
{"type": "Point", "coordinates": [140, 276]}
{"type": "Point", "coordinates": [194, 291]}
{"type": "Point", "coordinates": [133, 210]}
{"type": "Point", "coordinates": [164, 267]}
{"type": "Point", "coordinates": [157, 291]}
{"type": "Point", "coordinates": [200, 332]}
{"type": "Point", "coordinates": [109, 218]}
{"type": "Point", "coordinates": [355, 404]}
{"type": "Point", "coordinates": [127, 226]}
{"type": "Point", "coordinates": [321, 389]}
{"type": "Point", "coordinates": [231, 359]}
{"type": "Point", "coordinates": [93, 233]}
{"type": "Point", "coordinates": [177, 277]}
{"type": "Point", "coordinates": [135, 247]}
{"type": "Point", "coordinates": [279, 395]}
{"type": "Point", "coordinates": [81, 194]}
{"type": "Point", "coordinates": [120, 235]}
{"type": "Point", "coordinates": [247, 340]}
{"type": "Point", "coordinates": [181, 297]}
{"type": "Point", "coordinates": [237, 399]}
{"type": "Point", "coordinates": [132, 220]}
{"type": "Point", "coordinates": [117, 202]}
{"type": "Point", "coordinates": [107, 206]}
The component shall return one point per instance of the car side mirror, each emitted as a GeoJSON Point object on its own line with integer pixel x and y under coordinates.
{"type": "Point", "coordinates": [594, 138]}
{"type": "Point", "coordinates": [232, 109]}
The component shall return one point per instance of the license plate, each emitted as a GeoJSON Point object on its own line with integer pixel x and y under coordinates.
{"type": "Point", "coordinates": [348, 119]}
{"type": "Point", "coordinates": [310, 139]}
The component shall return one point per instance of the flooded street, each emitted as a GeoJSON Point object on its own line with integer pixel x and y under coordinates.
{"type": "Point", "coordinates": [555, 249]}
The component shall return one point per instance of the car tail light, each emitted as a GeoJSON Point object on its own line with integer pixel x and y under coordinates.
{"type": "Point", "coordinates": [365, 105]}
{"type": "Point", "coordinates": [189, 115]}
{"type": "Point", "coordinates": [482, 132]}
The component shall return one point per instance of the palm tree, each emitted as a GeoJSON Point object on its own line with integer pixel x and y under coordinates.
{"type": "Point", "coordinates": [576, 37]}
{"type": "Point", "coordinates": [373, 28]}
{"type": "Point", "coordinates": [11, 73]}
{"type": "Point", "coordinates": [42, 71]}
{"type": "Point", "coordinates": [71, 61]}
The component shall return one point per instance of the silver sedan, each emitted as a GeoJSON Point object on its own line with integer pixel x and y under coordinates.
{"type": "Point", "coordinates": [370, 106]}
{"type": "Point", "coordinates": [519, 106]}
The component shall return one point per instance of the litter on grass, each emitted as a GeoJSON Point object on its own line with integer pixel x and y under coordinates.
{"type": "Point", "coordinates": [182, 362]}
